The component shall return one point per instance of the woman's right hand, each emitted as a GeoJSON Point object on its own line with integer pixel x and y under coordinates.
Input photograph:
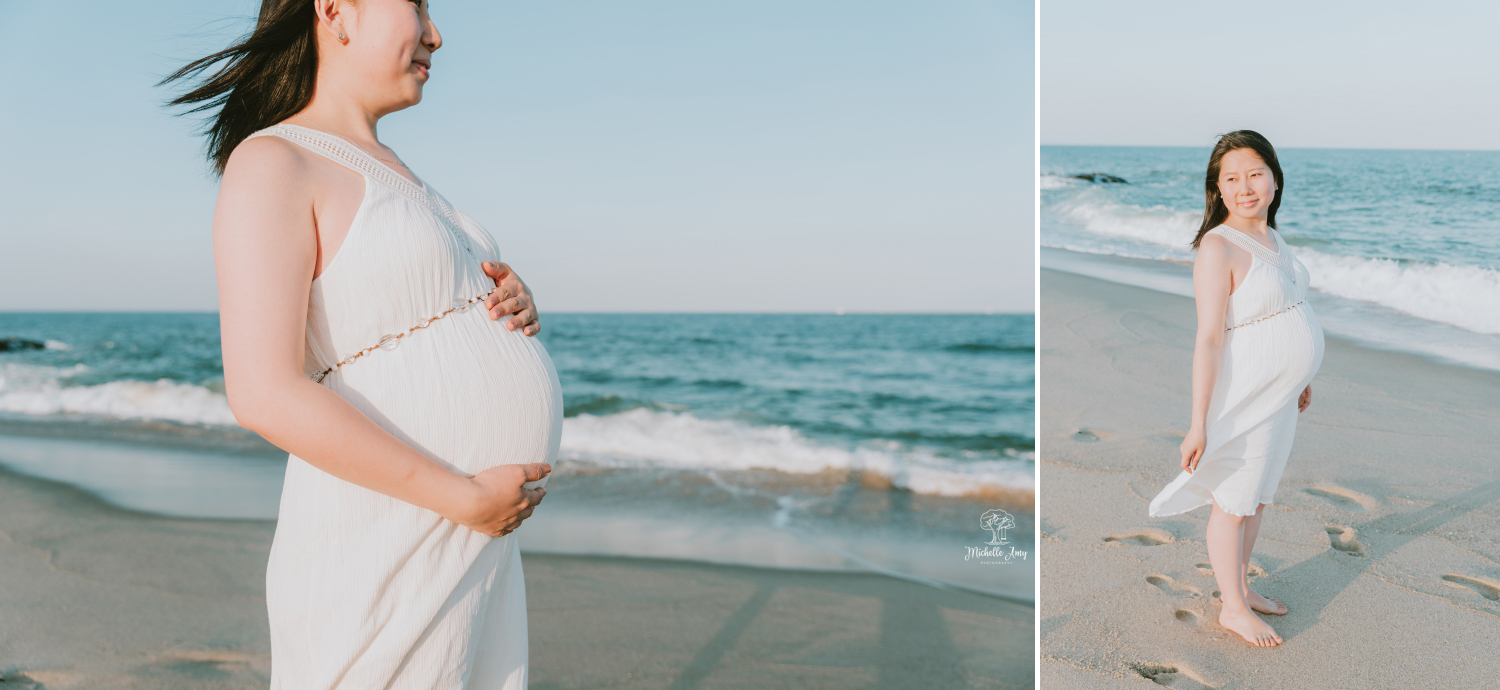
{"type": "Point", "coordinates": [1192, 449]}
{"type": "Point", "coordinates": [498, 503]}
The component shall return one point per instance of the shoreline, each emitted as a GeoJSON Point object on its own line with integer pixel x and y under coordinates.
{"type": "Point", "coordinates": [1382, 539]}
{"type": "Point", "coordinates": [106, 597]}
{"type": "Point", "coordinates": [1362, 323]}
{"type": "Point", "coordinates": [830, 523]}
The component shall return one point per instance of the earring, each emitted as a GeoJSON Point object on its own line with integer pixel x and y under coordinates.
{"type": "Point", "coordinates": [341, 37]}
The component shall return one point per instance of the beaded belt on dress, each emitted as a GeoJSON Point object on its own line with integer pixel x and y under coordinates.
{"type": "Point", "coordinates": [1267, 316]}
{"type": "Point", "coordinates": [389, 341]}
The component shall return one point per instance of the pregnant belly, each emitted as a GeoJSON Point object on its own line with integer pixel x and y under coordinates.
{"type": "Point", "coordinates": [466, 392]}
{"type": "Point", "coordinates": [1276, 355]}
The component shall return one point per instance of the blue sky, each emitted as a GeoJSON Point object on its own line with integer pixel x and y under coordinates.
{"type": "Point", "coordinates": [642, 156]}
{"type": "Point", "coordinates": [1419, 75]}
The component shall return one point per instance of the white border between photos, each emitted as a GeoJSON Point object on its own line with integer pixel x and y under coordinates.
{"type": "Point", "coordinates": [1036, 340]}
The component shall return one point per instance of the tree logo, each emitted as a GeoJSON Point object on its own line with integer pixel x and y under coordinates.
{"type": "Point", "coordinates": [997, 521]}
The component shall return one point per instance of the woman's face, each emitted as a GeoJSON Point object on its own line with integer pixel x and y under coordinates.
{"type": "Point", "coordinates": [390, 50]}
{"type": "Point", "coordinates": [1246, 184]}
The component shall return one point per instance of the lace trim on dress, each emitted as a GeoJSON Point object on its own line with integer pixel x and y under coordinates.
{"type": "Point", "coordinates": [343, 151]}
{"type": "Point", "coordinates": [1281, 258]}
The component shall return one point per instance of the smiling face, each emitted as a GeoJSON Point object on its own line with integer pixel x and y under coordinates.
{"type": "Point", "coordinates": [1246, 184]}
{"type": "Point", "coordinates": [389, 51]}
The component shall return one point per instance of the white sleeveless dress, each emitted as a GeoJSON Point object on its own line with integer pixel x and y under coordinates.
{"type": "Point", "coordinates": [1273, 345]}
{"type": "Point", "coordinates": [366, 591]}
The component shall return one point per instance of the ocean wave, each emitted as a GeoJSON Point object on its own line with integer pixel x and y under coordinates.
{"type": "Point", "coordinates": [1158, 224]}
{"type": "Point", "coordinates": [607, 430]}
{"type": "Point", "coordinates": [38, 390]}
{"type": "Point", "coordinates": [1464, 296]}
{"type": "Point", "coordinates": [606, 404]}
{"type": "Point", "coordinates": [978, 347]}
{"type": "Point", "coordinates": [1051, 181]}
{"type": "Point", "coordinates": [650, 438]}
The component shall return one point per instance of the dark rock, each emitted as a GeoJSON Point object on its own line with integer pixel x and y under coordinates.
{"type": "Point", "coordinates": [1100, 177]}
{"type": "Point", "coordinates": [8, 344]}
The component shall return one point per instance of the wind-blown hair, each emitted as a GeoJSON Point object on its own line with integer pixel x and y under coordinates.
{"type": "Point", "coordinates": [269, 76]}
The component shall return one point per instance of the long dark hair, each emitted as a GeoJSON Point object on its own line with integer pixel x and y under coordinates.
{"type": "Point", "coordinates": [269, 77]}
{"type": "Point", "coordinates": [1214, 210]}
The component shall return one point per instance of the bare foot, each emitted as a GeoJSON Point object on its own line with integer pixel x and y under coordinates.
{"type": "Point", "coordinates": [1247, 625]}
{"type": "Point", "coordinates": [1267, 605]}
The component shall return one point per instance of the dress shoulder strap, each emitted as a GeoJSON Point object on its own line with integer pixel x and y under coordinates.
{"type": "Point", "coordinates": [341, 151]}
{"type": "Point", "coordinates": [1280, 258]}
{"type": "Point", "coordinates": [1245, 242]}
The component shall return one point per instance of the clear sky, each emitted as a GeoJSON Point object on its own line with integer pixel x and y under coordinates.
{"type": "Point", "coordinates": [776, 155]}
{"type": "Point", "coordinates": [1383, 74]}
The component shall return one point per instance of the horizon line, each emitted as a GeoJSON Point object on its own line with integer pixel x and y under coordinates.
{"type": "Point", "coordinates": [1279, 148]}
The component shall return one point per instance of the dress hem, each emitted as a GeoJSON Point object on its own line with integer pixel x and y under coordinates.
{"type": "Point", "coordinates": [1215, 499]}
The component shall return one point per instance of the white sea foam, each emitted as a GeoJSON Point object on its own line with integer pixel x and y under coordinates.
{"type": "Point", "coordinates": [1050, 181]}
{"type": "Point", "coordinates": [642, 437]}
{"type": "Point", "coordinates": [1157, 225]}
{"type": "Point", "coordinates": [57, 345]}
{"type": "Point", "coordinates": [1464, 296]}
{"type": "Point", "coordinates": [37, 390]}
{"type": "Point", "coordinates": [635, 438]}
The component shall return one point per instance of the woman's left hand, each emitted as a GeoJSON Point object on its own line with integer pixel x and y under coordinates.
{"type": "Point", "coordinates": [511, 297]}
{"type": "Point", "coordinates": [1305, 399]}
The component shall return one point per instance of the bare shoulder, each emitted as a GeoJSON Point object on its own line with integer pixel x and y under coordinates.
{"type": "Point", "coordinates": [266, 195]}
{"type": "Point", "coordinates": [1213, 249]}
{"type": "Point", "coordinates": [1215, 241]}
{"type": "Point", "coordinates": [266, 166]}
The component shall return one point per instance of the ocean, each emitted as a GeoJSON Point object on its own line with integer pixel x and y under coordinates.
{"type": "Point", "coordinates": [1403, 247]}
{"type": "Point", "coordinates": [866, 442]}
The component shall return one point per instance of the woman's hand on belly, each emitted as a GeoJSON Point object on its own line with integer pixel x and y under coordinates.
{"type": "Point", "coordinates": [511, 296]}
{"type": "Point", "coordinates": [498, 503]}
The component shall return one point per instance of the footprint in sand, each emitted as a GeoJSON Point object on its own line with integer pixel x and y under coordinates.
{"type": "Point", "coordinates": [1186, 616]}
{"type": "Point", "coordinates": [1148, 537]}
{"type": "Point", "coordinates": [45, 679]}
{"type": "Point", "coordinates": [1173, 587]}
{"type": "Point", "coordinates": [1085, 436]}
{"type": "Point", "coordinates": [198, 665]}
{"type": "Point", "coordinates": [1169, 676]}
{"type": "Point", "coordinates": [1343, 539]}
{"type": "Point", "coordinates": [1488, 589]}
{"type": "Point", "coordinates": [1347, 499]}
{"type": "Point", "coordinates": [1208, 569]}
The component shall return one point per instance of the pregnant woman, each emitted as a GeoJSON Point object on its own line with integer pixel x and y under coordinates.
{"type": "Point", "coordinates": [360, 320]}
{"type": "Point", "coordinates": [1258, 346]}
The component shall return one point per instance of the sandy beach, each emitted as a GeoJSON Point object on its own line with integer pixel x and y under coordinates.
{"type": "Point", "coordinates": [95, 596]}
{"type": "Point", "coordinates": [1383, 540]}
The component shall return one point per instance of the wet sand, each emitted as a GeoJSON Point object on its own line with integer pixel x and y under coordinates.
{"type": "Point", "coordinates": [1384, 539]}
{"type": "Point", "coordinates": [95, 596]}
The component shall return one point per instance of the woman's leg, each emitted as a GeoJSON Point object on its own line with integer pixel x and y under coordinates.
{"type": "Point", "coordinates": [1226, 551]}
{"type": "Point", "coordinates": [1253, 598]}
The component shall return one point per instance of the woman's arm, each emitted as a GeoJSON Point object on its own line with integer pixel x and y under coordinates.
{"type": "Point", "coordinates": [1212, 284]}
{"type": "Point", "coordinates": [265, 252]}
